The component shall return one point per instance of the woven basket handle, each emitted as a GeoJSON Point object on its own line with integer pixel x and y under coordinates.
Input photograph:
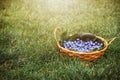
{"type": "Point", "coordinates": [59, 30]}
{"type": "Point", "coordinates": [111, 40]}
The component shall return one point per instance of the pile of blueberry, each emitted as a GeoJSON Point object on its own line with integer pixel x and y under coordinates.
{"type": "Point", "coordinates": [82, 46]}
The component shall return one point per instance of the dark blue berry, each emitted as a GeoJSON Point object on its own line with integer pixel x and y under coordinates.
{"type": "Point", "coordinates": [81, 46]}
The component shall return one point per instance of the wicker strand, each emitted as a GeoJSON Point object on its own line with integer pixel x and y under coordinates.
{"type": "Point", "coordinates": [111, 40]}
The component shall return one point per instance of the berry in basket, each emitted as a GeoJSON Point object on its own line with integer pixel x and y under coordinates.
{"type": "Point", "coordinates": [86, 46]}
{"type": "Point", "coordinates": [85, 42]}
{"type": "Point", "coordinates": [83, 46]}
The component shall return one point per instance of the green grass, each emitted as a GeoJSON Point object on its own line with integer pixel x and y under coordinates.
{"type": "Point", "coordinates": [28, 50]}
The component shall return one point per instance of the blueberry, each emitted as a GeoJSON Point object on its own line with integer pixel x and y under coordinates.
{"type": "Point", "coordinates": [81, 46]}
{"type": "Point", "coordinates": [77, 39]}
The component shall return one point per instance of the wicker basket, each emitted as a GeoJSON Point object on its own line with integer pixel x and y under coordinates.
{"type": "Point", "coordinates": [83, 56]}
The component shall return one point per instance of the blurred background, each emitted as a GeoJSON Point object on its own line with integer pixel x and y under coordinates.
{"type": "Point", "coordinates": [28, 50]}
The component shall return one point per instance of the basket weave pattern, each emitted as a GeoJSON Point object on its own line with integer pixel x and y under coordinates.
{"type": "Point", "coordinates": [83, 56]}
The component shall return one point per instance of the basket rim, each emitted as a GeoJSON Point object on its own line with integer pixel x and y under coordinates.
{"type": "Point", "coordinates": [94, 52]}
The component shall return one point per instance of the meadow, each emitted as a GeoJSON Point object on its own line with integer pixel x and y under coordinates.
{"type": "Point", "coordinates": [28, 50]}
